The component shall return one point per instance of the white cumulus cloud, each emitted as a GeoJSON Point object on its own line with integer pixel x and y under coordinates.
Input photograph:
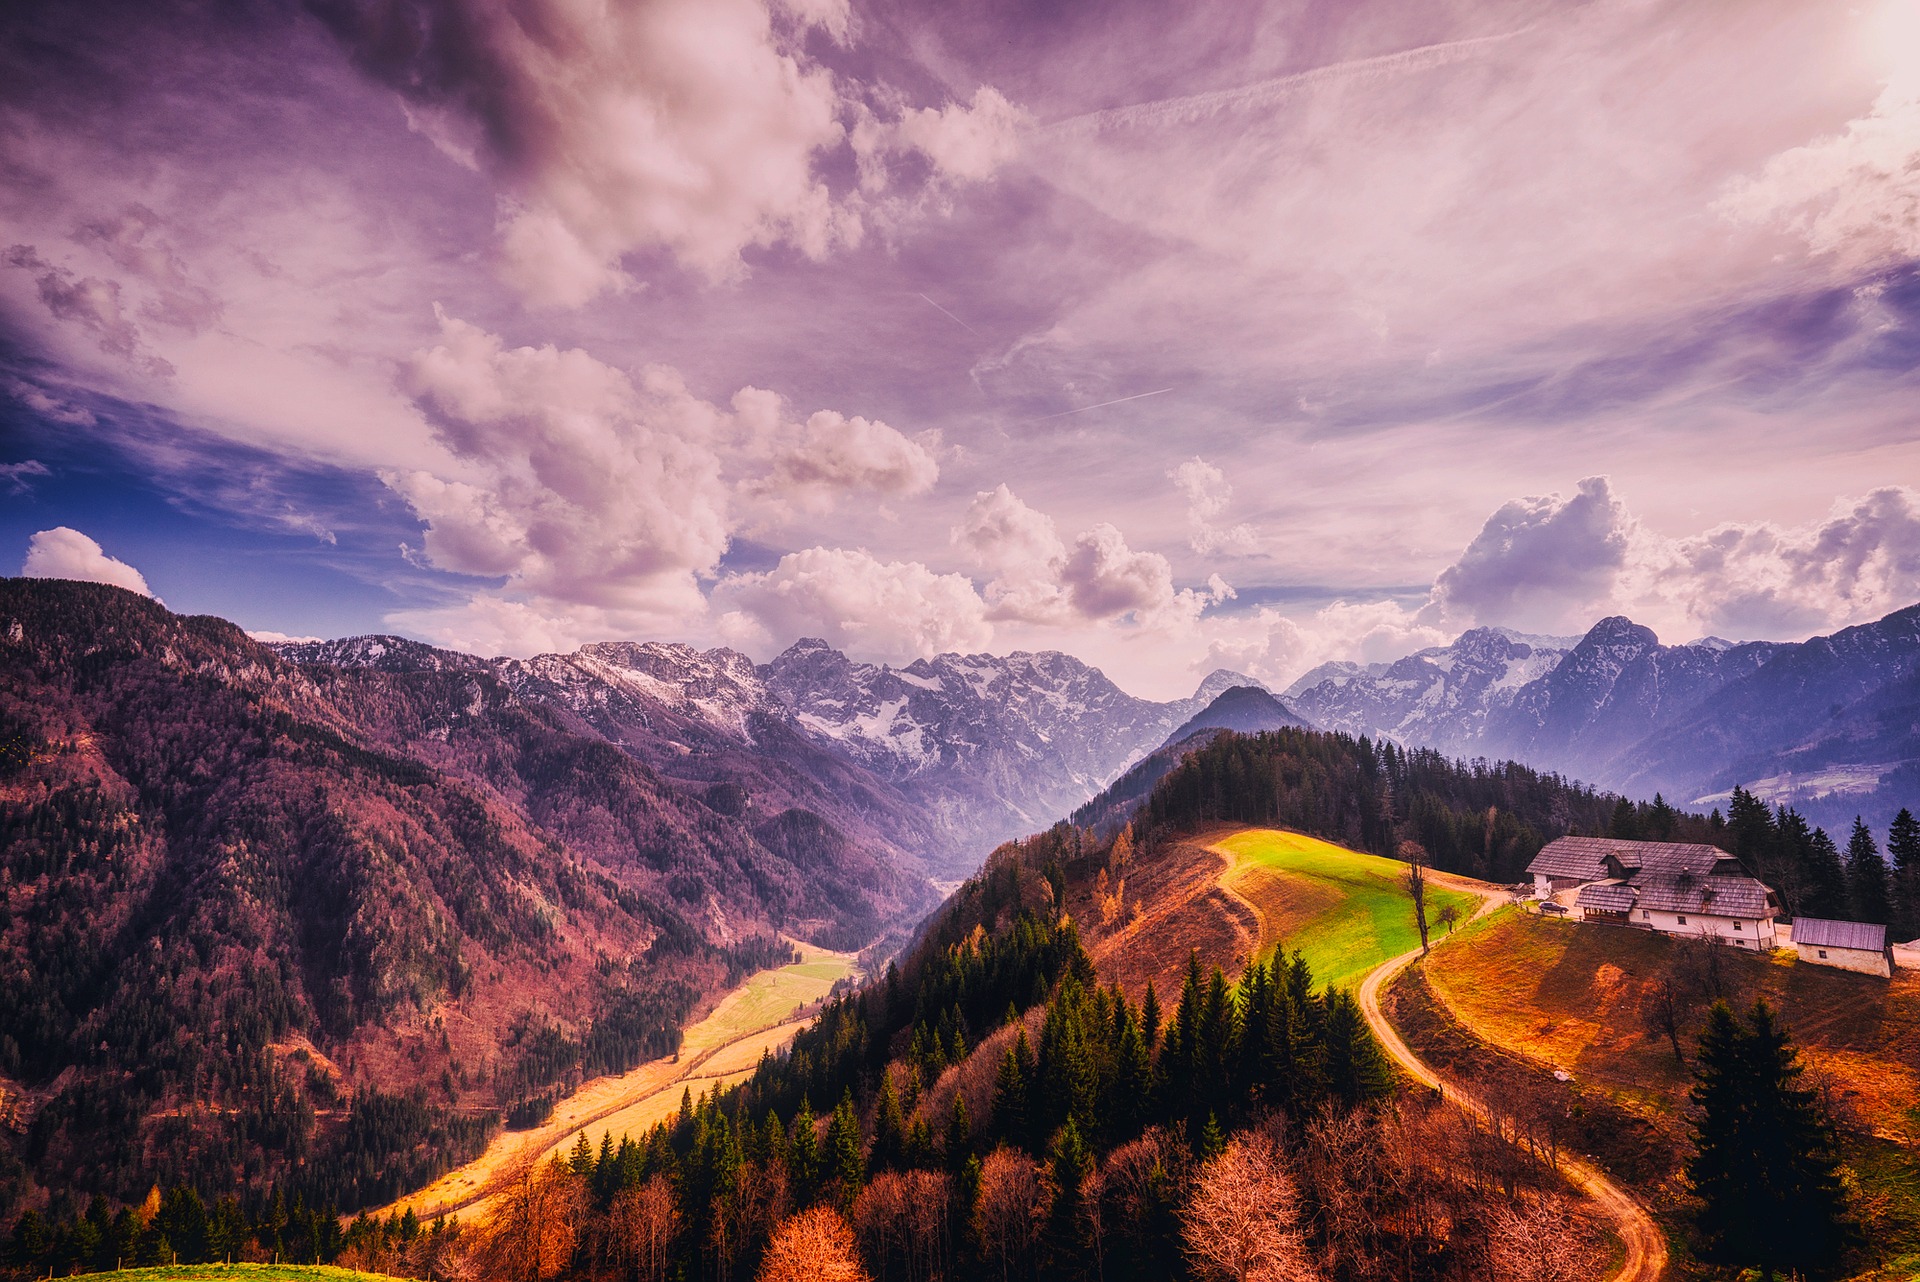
{"type": "Point", "coordinates": [893, 611]}
{"type": "Point", "coordinates": [63, 553]}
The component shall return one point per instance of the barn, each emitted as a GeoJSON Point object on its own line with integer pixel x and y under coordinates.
{"type": "Point", "coordinates": [1849, 945]}
{"type": "Point", "coordinates": [1676, 888]}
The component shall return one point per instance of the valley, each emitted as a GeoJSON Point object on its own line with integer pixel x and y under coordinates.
{"type": "Point", "coordinates": [759, 1017]}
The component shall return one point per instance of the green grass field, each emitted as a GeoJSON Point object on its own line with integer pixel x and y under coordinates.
{"type": "Point", "coordinates": [1344, 911]}
{"type": "Point", "coordinates": [236, 1273]}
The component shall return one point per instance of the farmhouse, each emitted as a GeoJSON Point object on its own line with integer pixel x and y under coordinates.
{"type": "Point", "coordinates": [1672, 887]}
{"type": "Point", "coordinates": [1850, 945]}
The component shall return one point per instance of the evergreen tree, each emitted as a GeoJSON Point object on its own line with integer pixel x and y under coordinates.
{"type": "Point", "coordinates": [1150, 1016]}
{"type": "Point", "coordinates": [1763, 1165]}
{"type": "Point", "coordinates": [805, 1161]}
{"type": "Point", "coordinates": [959, 1130]}
{"type": "Point", "coordinates": [889, 1126]}
{"type": "Point", "coordinates": [1010, 1097]}
{"type": "Point", "coordinates": [1826, 876]}
{"type": "Point", "coordinates": [1357, 1069]}
{"type": "Point", "coordinates": [1625, 823]}
{"type": "Point", "coordinates": [847, 1167]}
{"type": "Point", "coordinates": [1867, 877]}
{"type": "Point", "coordinates": [1903, 846]}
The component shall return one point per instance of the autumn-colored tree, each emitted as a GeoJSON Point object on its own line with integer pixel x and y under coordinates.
{"type": "Point", "coordinates": [1540, 1239]}
{"type": "Point", "coordinates": [1011, 1207]}
{"type": "Point", "coordinates": [644, 1223]}
{"type": "Point", "coordinates": [531, 1236]}
{"type": "Point", "coordinates": [1242, 1222]}
{"type": "Point", "coordinates": [813, 1246]}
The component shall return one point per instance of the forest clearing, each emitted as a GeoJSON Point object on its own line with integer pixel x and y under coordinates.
{"type": "Point", "coordinates": [1346, 912]}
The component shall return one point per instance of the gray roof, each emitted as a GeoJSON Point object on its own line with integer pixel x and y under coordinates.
{"type": "Point", "coordinates": [1587, 857]}
{"type": "Point", "coordinates": [1717, 894]}
{"type": "Point", "coordinates": [1839, 934]}
{"type": "Point", "coordinates": [1606, 896]}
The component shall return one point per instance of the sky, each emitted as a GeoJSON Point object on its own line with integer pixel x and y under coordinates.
{"type": "Point", "coordinates": [1230, 334]}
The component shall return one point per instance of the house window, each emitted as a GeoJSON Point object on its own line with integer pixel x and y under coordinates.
{"type": "Point", "coordinates": [1683, 921]}
{"type": "Point", "coordinates": [1646, 914]}
{"type": "Point", "coordinates": [1736, 925]}
{"type": "Point", "coordinates": [1823, 952]}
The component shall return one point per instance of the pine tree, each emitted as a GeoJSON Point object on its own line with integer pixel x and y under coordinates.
{"type": "Point", "coordinates": [1826, 876]}
{"type": "Point", "coordinates": [1010, 1098]}
{"type": "Point", "coordinates": [1903, 846]}
{"type": "Point", "coordinates": [846, 1165]}
{"type": "Point", "coordinates": [1357, 1069]}
{"type": "Point", "coordinates": [1150, 1017]}
{"type": "Point", "coordinates": [889, 1126]}
{"type": "Point", "coordinates": [805, 1160]}
{"type": "Point", "coordinates": [1763, 1165]}
{"type": "Point", "coordinates": [1867, 876]}
{"type": "Point", "coordinates": [959, 1130]}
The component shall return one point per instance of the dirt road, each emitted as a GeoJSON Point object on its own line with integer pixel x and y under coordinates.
{"type": "Point", "coordinates": [1646, 1249]}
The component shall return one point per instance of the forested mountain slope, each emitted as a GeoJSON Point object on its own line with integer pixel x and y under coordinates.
{"type": "Point", "coordinates": [274, 925]}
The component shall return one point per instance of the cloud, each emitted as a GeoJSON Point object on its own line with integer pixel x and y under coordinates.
{"type": "Point", "coordinates": [1036, 578]}
{"type": "Point", "coordinates": [1553, 564]}
{"type": "Point", "coordinates": [1106, 579]}
{"type": "Point", "coordinates": [63, 553]}
{"type": "Point", "coordinates": [17, 478]}
{"type": "Point", "coordinates": [1277, 648]}
{"type": "Point", "coordinates": [128, 241]}
{"type": "Point", "coordinates": [1540, 563]}
{"type": "Point", "coordinates": [1762, 580]}
{"type": "Point", "coordinates": [582, 484]}
{"type": "Point", "coordinates": [893, 611]}
{"type": "Point", "coordinates": [92, 304]}
{"type": "Point", "coordinates": [1855, 194]}
{"type": "Point", "coordinates": [680, 125]}
{"type": "Point", "coordinates": [1208, 492]}
{"type": "Point", "coordinates": [831, 454]}
{"type": "Point", "coordinates": [965, 142]}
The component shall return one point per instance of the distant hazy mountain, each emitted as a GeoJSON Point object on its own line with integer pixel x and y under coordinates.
{"type": "Point", "coordinates": [1247, 709]}
{"type": "Point", "coordinates": [1828, 725]}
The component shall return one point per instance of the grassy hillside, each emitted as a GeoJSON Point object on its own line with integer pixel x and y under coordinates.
{"type": "Point", "coordinates": [1583, 998]}
{"type": "Point", "coordinates": [1344, 911]}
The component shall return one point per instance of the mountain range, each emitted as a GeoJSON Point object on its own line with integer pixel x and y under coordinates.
{"type": "Point", "coordinates": [1830, 725]}
{"type": "Point", "coordinates": [933, 764]}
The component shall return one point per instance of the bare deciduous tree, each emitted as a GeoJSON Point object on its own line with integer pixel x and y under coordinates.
{"type": "Point", "coordinates": [1011, 1207]}
{"type": "Point", "coordinates": [645, 1221]}
{"type": "Point", "coordinates": [1538, 1238]}
{"type": "Point", "coordinates": [1242, 1222]}
{"type": "Point", "coordinates": [531, 1236]}
{"type": "Point", "coordinates": [813, 1246]}
{"type": "Point", "coordinates": [1415, 856]}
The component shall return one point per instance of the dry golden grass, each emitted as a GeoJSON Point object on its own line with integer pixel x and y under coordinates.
{"type": "Point", "coordinates": [1576, 996]}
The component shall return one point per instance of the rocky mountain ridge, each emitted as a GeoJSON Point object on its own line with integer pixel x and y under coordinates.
{"type": "Point", "coordinates": [1830, 725]}
{"type": "Point", "coordinates": [938, 761]}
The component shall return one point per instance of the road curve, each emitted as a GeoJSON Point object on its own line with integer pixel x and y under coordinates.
{"type": "Point", "coordinates": [1646, 1248]}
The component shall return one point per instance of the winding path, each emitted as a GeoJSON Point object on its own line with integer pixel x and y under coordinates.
{"type": "Point", "coordinates": [1646, 1248]}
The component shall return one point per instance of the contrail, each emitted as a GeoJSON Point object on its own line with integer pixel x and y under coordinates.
{"type": "Point", "coordinates": [1264, 92]}
{"type": "Point", "coordinates": [950, 316]}
{"type": "Point", "coordinates": [1102, 405]}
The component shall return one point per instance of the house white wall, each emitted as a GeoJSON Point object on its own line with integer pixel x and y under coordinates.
{"type": "Point", "coordinates": [1867, 961]}
{"type": "Point", "coordinates": [1740, 932]}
